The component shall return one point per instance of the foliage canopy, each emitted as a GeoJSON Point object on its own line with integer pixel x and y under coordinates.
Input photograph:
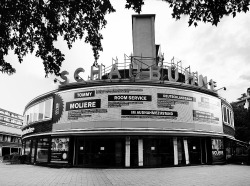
{"type": "Point", "coordinates": [34, 25]}
{"type": "Point", "coordinates": [241, 122]}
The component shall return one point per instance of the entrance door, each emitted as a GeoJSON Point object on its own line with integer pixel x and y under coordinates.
{"type": "Point", "coordinates": [134, 160]}
{"type": "Point", "coordinates": [198, 150]}
{"type": "Point", "coordinates": [194, 148]}
{"type": "Point", "coordinates": [100, 152]}
{"type": "Point", "coordinates": [158, 152]}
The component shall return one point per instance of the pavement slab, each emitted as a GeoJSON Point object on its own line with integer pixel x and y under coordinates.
{"type": "Point", "coordinates": [25, 175]}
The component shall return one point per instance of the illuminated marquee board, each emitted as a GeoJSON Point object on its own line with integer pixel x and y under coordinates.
{"type": "Point", "coordinates": [139, 103]}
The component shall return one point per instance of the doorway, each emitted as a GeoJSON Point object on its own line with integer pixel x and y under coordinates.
{"type": "Point", "coordinates": [100, 152]}
{"type": "Point", "coordinates": [198, 150]}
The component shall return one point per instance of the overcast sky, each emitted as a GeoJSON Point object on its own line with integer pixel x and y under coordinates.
{"type": "Point", "coordinates": [221, 53]}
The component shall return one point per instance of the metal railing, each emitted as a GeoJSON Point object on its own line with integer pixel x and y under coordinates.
{"type": "Point", "coordinates": [140, 61]}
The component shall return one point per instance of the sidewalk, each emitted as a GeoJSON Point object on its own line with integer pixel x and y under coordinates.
{"type": "Point", "coordinates": [190, 175]}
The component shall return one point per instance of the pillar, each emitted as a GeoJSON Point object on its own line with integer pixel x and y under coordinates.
{"type": "Point", "coordinates": [175, 151]}
{"type": "Point", "coordinates": [140, 152]}
{"type": "Point", "coordinates": [127, 152]}
{"type": "Point", "coordinates": [1, 151]}
{"type": "Point", "coordinates": [186, 151]}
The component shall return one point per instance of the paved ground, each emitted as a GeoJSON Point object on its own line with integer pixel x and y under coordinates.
{"type": "Point", "coordinates": [225, 175]}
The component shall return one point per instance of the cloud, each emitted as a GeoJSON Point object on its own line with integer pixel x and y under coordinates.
{"type": "Point", "coordinates": [245, 77]}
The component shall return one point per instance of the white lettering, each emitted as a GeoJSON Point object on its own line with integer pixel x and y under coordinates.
{"type": "Point", "coordinates": [114, 71]}
{"type": "Point", "coordinates": [155, 73]}
{"type": "Point", "coordinates": [120, 98]}
{"type": "Point", "coordinates": [29, 130]}
{"type": "Point", "coordinates": [176, 76]}
{"type": "Point", "coordinates": [84, 94]}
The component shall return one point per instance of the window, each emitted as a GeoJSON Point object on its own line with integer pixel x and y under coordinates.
{"type": "Point", "coordinates": [42, 150]}
{"type": "Point", "coordinates": [9, 138]}
{"type": "Point", "coordinates": [48, 108]}
{"type": "Point", "coordinates": [227, 116]}
{"type": "Point", "coordinates": [232, 118]}
{"type": "Point", "coordinates": [35, 111]}
{"type": "Point", "coordinates": [31, 114]}
{"type": "Point", "coordinates": [27, 118]}
{"type": "Point", "coordinates": [27, 147]}
{"type": "Point", "coordinates": [39, 112]}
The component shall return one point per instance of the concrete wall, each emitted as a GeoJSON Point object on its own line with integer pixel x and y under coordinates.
{"type": "Point", "coordinates": [144, 38]}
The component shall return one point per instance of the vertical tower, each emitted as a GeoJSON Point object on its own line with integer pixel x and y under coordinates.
{"type": "Point", "coordinates": [144, 49]}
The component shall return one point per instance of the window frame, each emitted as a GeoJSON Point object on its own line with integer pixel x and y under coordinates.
{"type": "Point", "coordinates": [33, 110]}
{"type": "Point", "coordinates": [227, 116]}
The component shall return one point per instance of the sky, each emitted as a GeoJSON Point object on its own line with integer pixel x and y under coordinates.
{"type": "Point", "coordinates": [221, 53]}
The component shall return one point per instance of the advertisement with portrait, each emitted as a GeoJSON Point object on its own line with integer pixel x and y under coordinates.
{"type": "Point", "coordinates": [59, 150]}
{"type": "Point", "coordinates": [218, 150]}
{"type": "Point", "coordinates": [139, 103]}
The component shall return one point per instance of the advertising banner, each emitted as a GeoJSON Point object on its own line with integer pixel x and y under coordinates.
{"type": "Point", "coordinates": [59, 150]}
{"type": "Point", "coordinates": [218, 150]}
{"type": "Point", "coordinates": [139, 103]}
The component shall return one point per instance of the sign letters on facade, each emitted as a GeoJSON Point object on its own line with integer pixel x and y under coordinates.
{"type": "Point", "coordinates": [154, 73]}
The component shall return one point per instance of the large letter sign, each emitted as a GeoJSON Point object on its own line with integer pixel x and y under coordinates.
{"type": "Point", "coordinates": [64, 77]}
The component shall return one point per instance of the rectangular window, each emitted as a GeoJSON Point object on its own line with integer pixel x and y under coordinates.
{"type": "Point", "coordinates": [35, 113]}
{"type": "Point", "coordinates": [42, 150]}
{"type": "Point", "coordinates": [225, 114]}
{"type": "Point", "coordinates": [9, 138]}
{"type": "Point", "coordinates": [228, 120]}
{"type": "Point", "coordinates": [31, 114]}
{"type": "Point", "coordinates": [33, 150]}
{"type": "Point", "coordinates": [232, 119]}
{"type": "Point", "coordinates": [41, 111]}
{"type": "Point", "coordinates": [48, 108]}
{"type": "Point", "coordinates": [27, 119]}
{"type": "Point", "coordinates": [27, 147]}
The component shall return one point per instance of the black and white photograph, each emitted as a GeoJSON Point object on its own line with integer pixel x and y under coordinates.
{"type": "Point", "coordinates": [128, 92]}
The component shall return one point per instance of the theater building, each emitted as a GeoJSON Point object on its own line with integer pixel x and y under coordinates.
{"type": "Point", "coordinates": [10, 132]}
{"type": "Point", "coordinates": [143, 112]}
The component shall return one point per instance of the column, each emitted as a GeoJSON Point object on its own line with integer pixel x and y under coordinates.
{"type": "Point", "coordinates": [74, 151]}
{"type": "Point", "coordinates": [140, 152]}
{"type": "Point", "coordinates": [175, 151]}
{"type": "Point", "coordinates": [127, 152]}
{"type": "Point", "coordinates": [1, 151]}
{"type": "Point", "coordinates": [186, 151]}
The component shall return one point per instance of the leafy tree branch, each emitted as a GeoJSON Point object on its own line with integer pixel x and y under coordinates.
{"type": "Point", "coordinates": [34, 25]}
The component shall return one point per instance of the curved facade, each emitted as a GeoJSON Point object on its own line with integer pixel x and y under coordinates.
{"type": "Point", "coordinates": [142, 113]}
{"type": "Point", "coordinates": [127, 124]}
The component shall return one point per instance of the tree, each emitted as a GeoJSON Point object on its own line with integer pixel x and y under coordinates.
{"type": "Point", "coordinates": [211, 11]}
{"type": "Point", "coordinates": [241, 122]}
{"type": "Point", "coordinates": [28, 25]}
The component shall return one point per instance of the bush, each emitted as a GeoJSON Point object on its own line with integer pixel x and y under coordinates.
{"type": "Point", "coordinates": [23, 159]}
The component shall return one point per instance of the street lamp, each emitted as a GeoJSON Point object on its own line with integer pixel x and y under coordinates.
{"type": "Point", "coordinates": [224, 88]}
